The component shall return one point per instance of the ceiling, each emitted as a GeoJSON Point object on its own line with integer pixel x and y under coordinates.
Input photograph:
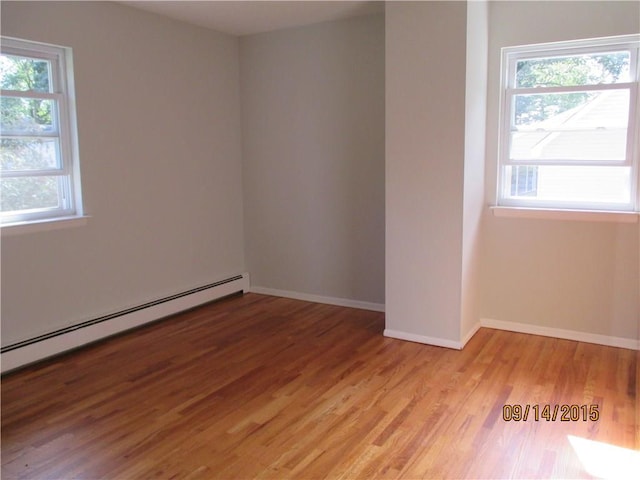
{"type": "Point", "coordinates": [249, 17]}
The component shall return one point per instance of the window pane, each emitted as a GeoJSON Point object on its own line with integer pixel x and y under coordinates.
{"type": "Point", "coordinates": [570, 184]}
{"type": "Point", "coordinates": [26, 193]}
{"type": "Point", "coordinates": [25, 74]}
{"type": "Point", "coordinates": [592, 69]}
{"type": "Point", "coordinates": [27, 116]}
{"type": "Point", "coordinates": [524, 181]}
{"type": "Point", "coordinates": [605, 144]}
{"type": "Point", "coordinates": [571, 126]}
{"type": "Point", "coordinates": [18, 154]}
{"type": "Point", "coordinates": [570, 111]}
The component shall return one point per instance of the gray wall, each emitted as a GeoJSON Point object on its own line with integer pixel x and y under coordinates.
{"type": "Point", "coordinates": [159, 126]}
{"type": "Point", "coordinates": [425, 154]}
{"type": "Point", "coordinates": [313, 153]}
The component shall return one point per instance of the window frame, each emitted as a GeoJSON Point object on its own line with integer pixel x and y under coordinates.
{"type": "Point", "coordinates": [62, 94]}
{"type": "Point", "coordinates": [508, 91]}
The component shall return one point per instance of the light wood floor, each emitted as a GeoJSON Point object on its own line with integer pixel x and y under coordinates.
{"type": "Point", "coordinates": [263, 387]}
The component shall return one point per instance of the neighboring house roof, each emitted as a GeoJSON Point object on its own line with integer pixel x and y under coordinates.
{"type": "Point", "coordinates": [595, 130]}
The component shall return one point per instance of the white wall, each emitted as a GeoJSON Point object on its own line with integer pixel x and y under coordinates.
{"type": "Point", "coordinates": [159, 127]}
{"type": "Point", "coordinates": [579, 276]}
{"type": "Point", "coordinates": [313, 153]}
{"type": "Point", "coordinates": [425, 152]}
{"type": "Point", "coordinates": [474, 162]}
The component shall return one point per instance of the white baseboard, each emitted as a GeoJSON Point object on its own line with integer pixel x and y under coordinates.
{"type": "Point", "coordinates": [471, 333]}
{"type": "Point", "coordinates": [307, 297]}
{"type": "Point", "coordinates": [630, 343]}
{"type": "Point", "coordinates": [26, 352]}
{"type": "Point", "coordinates": [412, 337]}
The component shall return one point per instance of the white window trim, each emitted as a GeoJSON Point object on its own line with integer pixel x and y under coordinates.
{"type": "Point", "coordinates": [569, 215]}
{"type": "Point", "coordinates": [64, 93]}
{"type": "Point", "coordinates": [590, 212]}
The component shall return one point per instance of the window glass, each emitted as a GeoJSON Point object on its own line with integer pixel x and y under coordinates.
{"type": "Point", "coordinates": [30, 193]}
{"type": "Point", "coordinates": [563, 184]}
{"type": "Point", "coordinates": [27, 115]}
{"type": "Point", "coordinates": [19, 154]}
{"type": "Point", "coordinates": [561, 71]}
{"type": "Point", "coordinates": [25, 74]}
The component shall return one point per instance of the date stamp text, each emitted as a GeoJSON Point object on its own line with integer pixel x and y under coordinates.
{"type": "Point", "coordinates": [550, 413]}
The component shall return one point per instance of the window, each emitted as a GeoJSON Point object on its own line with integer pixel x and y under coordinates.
{"type": "Point", "coordinates": [568, 131]}
{"type": "Point", "coordinates": [39, 171]}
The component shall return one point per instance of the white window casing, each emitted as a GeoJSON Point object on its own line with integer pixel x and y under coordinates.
{"type": "Point", "coordinates": [62, 175]}
{"type": "Point", "coordinates": [582, 157]}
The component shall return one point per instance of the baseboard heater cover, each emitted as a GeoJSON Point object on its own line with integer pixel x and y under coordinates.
{"type": "Point", "coordinates": [31, 350]}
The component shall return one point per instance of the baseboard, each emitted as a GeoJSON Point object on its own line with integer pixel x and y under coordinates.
{"type": "Point", "coordinates": [438, 342]}
{"type": "Point", "coordinates": [629, 343]}
{"type": "Point", "coordinates": [307, 297]}
{"type": "Point", "coordinates": [471, 333]}
{"type": "Point", "coordinates": [35, 349]}
{"type": "Point", "coordinates": [412, 337]}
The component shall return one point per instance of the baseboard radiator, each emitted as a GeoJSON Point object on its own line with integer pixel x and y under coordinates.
{"type": "Point", "coordinates": [34, 349]}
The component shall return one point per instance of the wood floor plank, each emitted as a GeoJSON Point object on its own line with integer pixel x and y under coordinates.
{"type": "Point", "coordinates": [263, 387]}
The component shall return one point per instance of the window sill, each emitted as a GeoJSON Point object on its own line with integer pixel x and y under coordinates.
{"type": "Point", "coordinates": [43, 225]}
{"type": "Point", "coordinates": [570, 215]}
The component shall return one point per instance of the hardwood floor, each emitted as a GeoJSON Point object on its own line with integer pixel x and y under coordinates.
{"type": "Point", "coordinates": [264, 387]}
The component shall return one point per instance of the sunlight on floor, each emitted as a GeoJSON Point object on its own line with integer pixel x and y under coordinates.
{"type": "Point", "coordinates": [603, 460]}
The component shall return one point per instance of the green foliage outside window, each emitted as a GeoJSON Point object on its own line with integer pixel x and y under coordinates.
{"type": "Point", "coordinates": [563, 71]}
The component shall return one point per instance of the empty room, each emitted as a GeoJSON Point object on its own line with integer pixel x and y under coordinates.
{"type": "Point", "coordinates": [320, 239]}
